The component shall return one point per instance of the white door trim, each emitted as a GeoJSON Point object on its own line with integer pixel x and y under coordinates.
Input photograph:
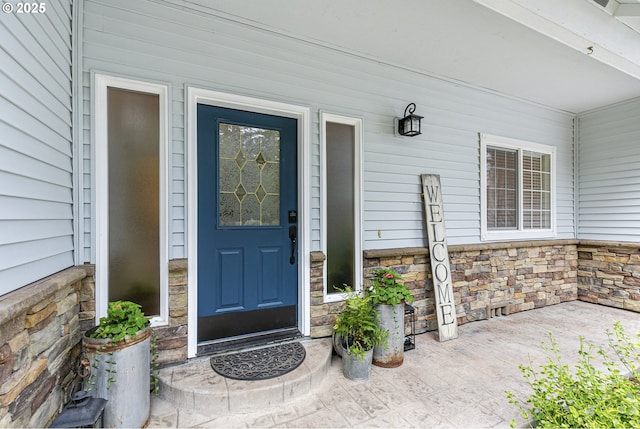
{"type": "Point", "coordinates": [100, 139]}
{"type": "Point", "coordinates": [197, 96]}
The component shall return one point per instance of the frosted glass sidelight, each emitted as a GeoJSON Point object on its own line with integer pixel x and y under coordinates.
{"type": "Point", "coordinates": [340, 161]}
{"type": "Point", "coordinates": [134, 233]}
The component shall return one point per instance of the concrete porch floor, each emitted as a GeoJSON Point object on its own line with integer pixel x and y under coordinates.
{"type": "Point", "coordinates": [458, 383]}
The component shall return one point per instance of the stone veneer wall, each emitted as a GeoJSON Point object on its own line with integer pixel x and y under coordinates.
{"type": "Point", "coordinates": [41, 324]}
{"type": "Point", "coordinates": [323, 314]}
{"type": "Point", "coordinates": [171, 339]}
{"type": "Point", "coordinates": [41, 327]}
{"type": "Point", "coordinates": [527, 275]}
{"type": "Point", "coordinates": [609, 274]}
{"type": "Point", "coordinates": [517, 275]}
{"type": "Point", "coordinates": [40, 348]}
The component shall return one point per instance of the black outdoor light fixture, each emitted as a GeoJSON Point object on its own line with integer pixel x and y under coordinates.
{"type": "Point", "coordinates": [409, 125]}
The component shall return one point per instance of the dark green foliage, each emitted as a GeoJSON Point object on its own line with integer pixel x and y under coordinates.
{"type": "Point", "coordinates": [597, 393]}
{"type": "Point", "coordinates": [358, 324]}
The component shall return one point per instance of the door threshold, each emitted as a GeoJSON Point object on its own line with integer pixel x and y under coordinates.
{"type": "Point", "coordinates": [241, 342]}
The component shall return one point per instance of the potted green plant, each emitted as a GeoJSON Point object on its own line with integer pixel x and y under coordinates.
{"type": "Point", "coordinates": [389, 294]}
{"type": "Point", "coordinates": [357, 326]}
{"type": "Point", "coordinates": [118, 352]}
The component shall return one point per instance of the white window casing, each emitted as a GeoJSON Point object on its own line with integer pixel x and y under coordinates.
{"type": "Point", "coordinates": [522, 149]}
{"type": "Point", "coordinates": [356, 123]}
{"type": "Point", "coordinates": [100, 138]}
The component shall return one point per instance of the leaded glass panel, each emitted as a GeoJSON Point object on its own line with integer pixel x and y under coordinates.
{"type": "Point", "coordinates": [249, 176]}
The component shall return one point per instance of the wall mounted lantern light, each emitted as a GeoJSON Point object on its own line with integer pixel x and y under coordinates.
{"type": "Point", "coordinates": [409, 125]}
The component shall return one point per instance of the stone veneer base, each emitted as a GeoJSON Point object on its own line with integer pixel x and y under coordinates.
{"type": "Point", "coordinates": [41, 323]}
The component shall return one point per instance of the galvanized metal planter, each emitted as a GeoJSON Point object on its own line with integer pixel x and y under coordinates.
{"type": "Point", "coordinates": [354, 368]}
{"type": "Point", "coordinates": [120, 373]}
{"type": "Point", "coordinates": [390, 319]}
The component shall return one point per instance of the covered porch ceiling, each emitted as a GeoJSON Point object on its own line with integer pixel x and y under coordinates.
{"type": "Point", "coordinates": [572, 55]}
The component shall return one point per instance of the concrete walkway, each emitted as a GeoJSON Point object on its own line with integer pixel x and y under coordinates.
{"type": "Point", "coordinates": [458, 383]}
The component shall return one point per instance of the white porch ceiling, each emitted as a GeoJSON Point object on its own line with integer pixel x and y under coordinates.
{"type": "Point", "coordinates": [572, 55]}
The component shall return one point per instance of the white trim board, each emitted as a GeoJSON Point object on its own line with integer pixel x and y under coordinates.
{"type": "Point", "coordinates": [197, 96]}
{"type": "Point", "coordinates": [100, 138]}
{"type": "Point", "coordinates": [358, 188]}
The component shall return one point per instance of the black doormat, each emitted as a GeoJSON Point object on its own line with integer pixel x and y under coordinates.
{"type": "Point", "coordinates": [260, 364]}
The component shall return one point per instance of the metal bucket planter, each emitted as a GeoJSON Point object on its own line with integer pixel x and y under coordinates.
{"type": "Point", "coordinates": [354, 368]}
{"type": "Point", "coordinates": [337, 343]}
{"type": "Point", "coordinates": [390, 319]}
{"type": "Point", "coordinates": [120, 373]}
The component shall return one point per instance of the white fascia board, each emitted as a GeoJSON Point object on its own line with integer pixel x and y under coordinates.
{"type": "Point", "coordinates": [579, 25]}
{"type": "Point", "coordinates": [627, 10]}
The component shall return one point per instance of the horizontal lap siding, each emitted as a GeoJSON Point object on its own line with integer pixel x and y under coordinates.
{"type": "Point", "coordinates": [36, 226]}
{"type": "Point", "coordinates": [179, 43]}
{"type": "Point", "coordinates": [609, 191]}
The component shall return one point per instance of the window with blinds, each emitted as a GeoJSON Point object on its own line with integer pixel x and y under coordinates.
{"type": "Point", "coordinates": [517, 189]}
{"type": "Point", "coordinates": [502, 188]}
{"type": "Point", "coordinates": [536, 190]}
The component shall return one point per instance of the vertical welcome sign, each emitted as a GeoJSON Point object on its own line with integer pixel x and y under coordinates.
{"type": "Point", "coordinates": [439, 253]}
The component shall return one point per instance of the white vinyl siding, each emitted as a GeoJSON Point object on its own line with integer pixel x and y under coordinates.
{"type": "Point", "coordinates": [36, 219]}
{"type": "Point", "coordinates": [181, 43]}
{"type": "Point", "coordinates": [609, 173]}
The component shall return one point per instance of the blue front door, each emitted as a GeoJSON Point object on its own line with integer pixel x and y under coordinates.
{"type": "Point", "coordinates": [247, 223]}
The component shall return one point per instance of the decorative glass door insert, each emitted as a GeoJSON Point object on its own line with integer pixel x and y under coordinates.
{"type": "Point", "coordinates": [249, 176]}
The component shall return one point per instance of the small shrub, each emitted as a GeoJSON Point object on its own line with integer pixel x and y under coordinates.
{"type": "Point", "coordinates": [586, 396]}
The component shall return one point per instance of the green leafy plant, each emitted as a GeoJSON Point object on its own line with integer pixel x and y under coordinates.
{"type": "Point", "coordinates": [93, 367]}
{"type": "Point", "coordinates": [357, 324]}
{"type": "Point", "coordinates": [155, 368]}
{"type": "Point", "coordinates": [586, 396]}
{"type": "Point", "coordinates": [123, 318]}
{"type": "Point", "coordinates": [388, 289]}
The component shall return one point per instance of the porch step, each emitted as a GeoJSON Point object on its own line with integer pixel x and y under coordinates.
{"type": "Point", "coordinates": [195, 386]}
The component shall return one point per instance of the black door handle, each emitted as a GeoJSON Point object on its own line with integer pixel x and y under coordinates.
{"type": "Point", "coordinates": [293, 236]}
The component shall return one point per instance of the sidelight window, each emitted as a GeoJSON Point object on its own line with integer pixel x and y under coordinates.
{"type": "Point", "coordinates": [341, 204]}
